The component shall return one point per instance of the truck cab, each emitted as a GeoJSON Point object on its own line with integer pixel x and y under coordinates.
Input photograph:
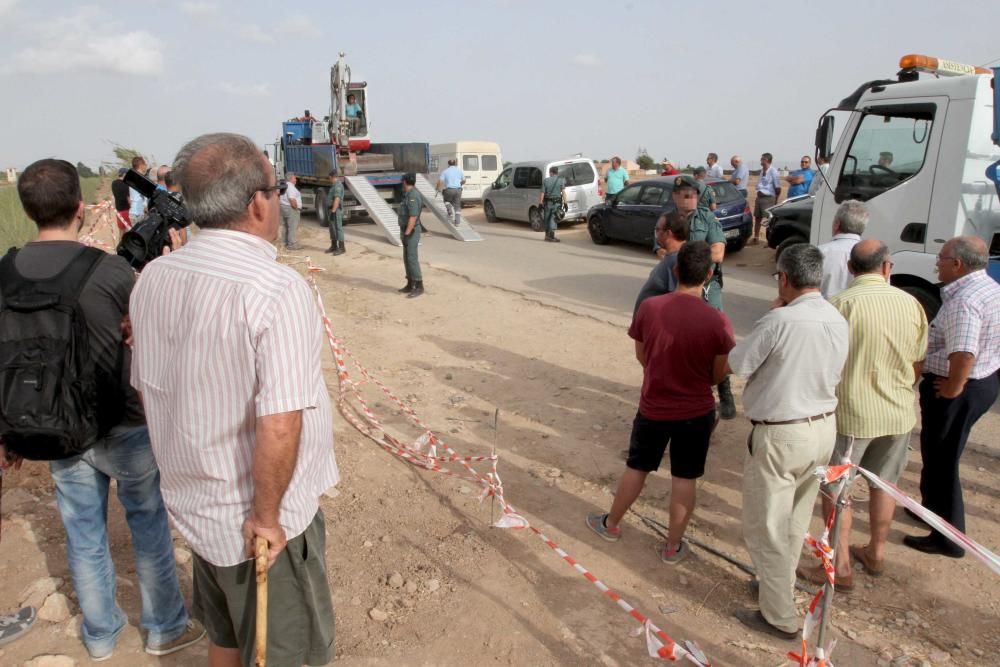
{"type": "Point", "coordinates": [916, 151]}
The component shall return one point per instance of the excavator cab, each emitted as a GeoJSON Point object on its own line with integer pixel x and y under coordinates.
{"type": "Point", "coordinates": [356, 111]}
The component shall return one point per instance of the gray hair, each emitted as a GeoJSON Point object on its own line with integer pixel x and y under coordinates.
{"type": "Point", "coordinates": [852, 217]}
{"type": "Point", "coordinates": [971, 252]}
{"type": "Point", "coordinates": [803, 264]}
{"type": "Point", "coordinates": [218, 174]}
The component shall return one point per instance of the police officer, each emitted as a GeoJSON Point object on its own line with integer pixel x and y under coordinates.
{"type": "Point", "coordinates": [336, 215]}
{"type": "Point", "coordinates": [552, 198]}
{"type": "Point", "coordinates": [409, 229]}
{"type": "Point", "coordinates": [704, 226]}
{"type": "Point", "coordinates": [707, 199]}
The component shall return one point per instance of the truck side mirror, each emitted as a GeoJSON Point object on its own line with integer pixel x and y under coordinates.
{"type": "Point", "coordinates": [824, 137]}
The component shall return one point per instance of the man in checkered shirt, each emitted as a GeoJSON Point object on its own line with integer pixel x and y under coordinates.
{"type": "Point", "coordinates": [960, 381]}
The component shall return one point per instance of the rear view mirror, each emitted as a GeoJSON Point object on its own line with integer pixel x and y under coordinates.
{"type": "Point", "coordinates": [824, 137]}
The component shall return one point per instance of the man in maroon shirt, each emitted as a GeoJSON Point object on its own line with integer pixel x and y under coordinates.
{"type": "Point", "coordinates": [682, 344]}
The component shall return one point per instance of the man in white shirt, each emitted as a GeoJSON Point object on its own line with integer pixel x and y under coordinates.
{"type": "Point", "coordinates": [291, 211]}
{"type": "Point", "coordinates": [714, 169]}
{"type": "Point", "coordinates": [848, 225]}
{"type": "Point", "coordinates": [768, 194]}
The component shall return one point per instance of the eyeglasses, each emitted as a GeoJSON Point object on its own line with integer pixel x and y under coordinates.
{"type": "Point", "coordinates": [804, 162]}
{"type": "Point", "coordinates": [281, 187]}
{"type": "Point", "coordinates": [946, 258]}
{"type": "Point", "coordinates": [776, 275]}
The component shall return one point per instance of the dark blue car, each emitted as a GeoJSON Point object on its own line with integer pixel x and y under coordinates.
{"type": "Point", "coordinates": [632, 214]}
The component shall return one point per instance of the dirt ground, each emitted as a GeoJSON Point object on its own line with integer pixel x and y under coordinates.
{"type": "Point", "coordinates": [567, 388]}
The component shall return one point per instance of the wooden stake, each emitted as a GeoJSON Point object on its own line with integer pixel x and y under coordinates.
{"type": "Point", "coordinates": [261, 564]}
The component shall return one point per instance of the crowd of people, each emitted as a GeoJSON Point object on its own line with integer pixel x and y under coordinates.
{"type": "Point", "coordinates": [832, 372]}
{"type": "Point", "coordinates": [222, 419]}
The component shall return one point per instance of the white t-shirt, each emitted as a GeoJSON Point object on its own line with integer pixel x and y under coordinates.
{"type": "Point", "coordinates": [715, 171]}
{"type": "Point", "coordinates": [836, 252]}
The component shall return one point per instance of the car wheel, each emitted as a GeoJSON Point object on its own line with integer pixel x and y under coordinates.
{"type": "Point", "coordinates": [596, 229]}
{"type": "Point", "coordinates": [928, 299]}
{"type": "Point", "coordinates": [491, 214]}
{"type": "Point", "coordinates": [737, 244]}
{"type": "Point", "coordinates": [535, 218]}
{"type": "Point", "coordinates": [790, 241]}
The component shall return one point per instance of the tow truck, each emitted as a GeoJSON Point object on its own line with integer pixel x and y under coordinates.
{"type": "Point", "coordinates": [916, 149]}
{"type": "Point", "coordinates": [311, 148]}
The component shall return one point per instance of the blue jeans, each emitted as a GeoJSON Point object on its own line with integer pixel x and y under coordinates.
{"type": "Point", "coordinates": [82, 482]}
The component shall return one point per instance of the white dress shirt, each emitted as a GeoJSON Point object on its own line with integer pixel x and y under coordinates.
{"type": "Point", "coordinates": [836, 252]}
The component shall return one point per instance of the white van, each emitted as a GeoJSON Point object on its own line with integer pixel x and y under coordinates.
{"type": "Point", "coordinates": [516, 192]}
{"type": "Point", "coordinates": [480, 161]}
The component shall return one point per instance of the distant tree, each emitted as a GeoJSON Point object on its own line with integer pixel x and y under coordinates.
{"type": "Point", "coordinates": [645, 162]}
{"type": "Point", "coordinates": [84, 170]}
{"type": "Point", "coordinates": [605, 161]}
{"type": "Point", "coordinates": [124, 154]}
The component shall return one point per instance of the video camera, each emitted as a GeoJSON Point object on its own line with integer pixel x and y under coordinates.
{"type": "Point", "coordinates": [146, 240]}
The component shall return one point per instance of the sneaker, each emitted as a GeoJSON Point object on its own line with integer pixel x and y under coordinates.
{"type": "Point", "coordinates": [192, 635]}
{"type": "Point", "coordinates": [17, 624]}
{"type": "Point", "coordinates": [675, 556]}
{"type": "Point", "coordinates": [597, 523]}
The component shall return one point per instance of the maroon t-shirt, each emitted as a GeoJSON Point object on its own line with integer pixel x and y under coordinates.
{"type": "Point", "coordinates": [681, 335]}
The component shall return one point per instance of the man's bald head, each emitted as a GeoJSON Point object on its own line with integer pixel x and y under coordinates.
{"type": "Point", "coordinates": [868, 256]}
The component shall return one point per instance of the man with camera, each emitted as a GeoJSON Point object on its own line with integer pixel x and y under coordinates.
{"type": "Point", "coordinates": [228, 346]}
{"type": "Point", "coordinates": [57, 270]}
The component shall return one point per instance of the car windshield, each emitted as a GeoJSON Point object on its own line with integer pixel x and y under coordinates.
{"type": "Point", "coordinates": [725, 192]}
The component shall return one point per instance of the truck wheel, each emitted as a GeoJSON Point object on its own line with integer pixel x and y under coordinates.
{"type": "Point", "coordinates": [491, 214]}
{"type": "Point", "coordinates": [929, 299]}
{"type": "Point", "coordinates": [322, 207]}
{"type": "Point", "coordinates": [790, 241]}
{"type": "Point", "coordinates": [535, 218]}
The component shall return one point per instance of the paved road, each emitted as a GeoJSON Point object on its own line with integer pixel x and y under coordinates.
{"type": "Point", "coordinates": [599, 281]}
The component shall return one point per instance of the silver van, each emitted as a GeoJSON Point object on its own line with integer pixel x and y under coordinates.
{"type": "Point", "coordinates": [516, 193]}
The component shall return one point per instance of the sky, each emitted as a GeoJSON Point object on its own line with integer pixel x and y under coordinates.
{"type": "Point", "coordinates": [543, 79]}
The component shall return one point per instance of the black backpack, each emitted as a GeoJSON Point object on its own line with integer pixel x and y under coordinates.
{"type": "Point", "coordinates": [48, 379]}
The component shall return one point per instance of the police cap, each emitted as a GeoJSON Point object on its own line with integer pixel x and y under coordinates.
{"type": "Point", "coordinates": [685, 181]}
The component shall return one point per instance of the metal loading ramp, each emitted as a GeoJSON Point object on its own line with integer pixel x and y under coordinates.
{"type": "Point", "coordinates": [378, 208]}
{"type": "Point", "coordinates": [464, 231]}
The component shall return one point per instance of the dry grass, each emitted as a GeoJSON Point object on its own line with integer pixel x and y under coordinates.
{"type": "Point", "coordinates": [15, 227]}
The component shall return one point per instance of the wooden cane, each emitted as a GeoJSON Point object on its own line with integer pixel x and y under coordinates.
{"type": "Point", "coordinates": [261, 563]}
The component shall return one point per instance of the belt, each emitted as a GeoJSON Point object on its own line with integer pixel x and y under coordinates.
{"type": "Point", "coordinates": [789, 422]}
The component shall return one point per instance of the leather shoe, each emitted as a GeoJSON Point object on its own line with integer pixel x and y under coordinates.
{"type": "Point", "coordinates": [753, 619]}
{"type": "Point", "coordinates": [932, 544]}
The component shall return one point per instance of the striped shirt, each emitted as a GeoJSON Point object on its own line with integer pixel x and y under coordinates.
{"type": "Point", "coordinates": [887, 332]}
{"type": "Point", "coordinates": [969, 321]}
{"type": "Point", "coordinates": [223, 335]}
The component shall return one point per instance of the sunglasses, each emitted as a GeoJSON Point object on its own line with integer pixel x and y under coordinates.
{"type": "Point", "coordinates": [281, 188]}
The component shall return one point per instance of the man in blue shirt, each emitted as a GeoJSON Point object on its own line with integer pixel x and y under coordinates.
{"type": "Point", "coordinates": [138, 209]}
{"type": "Point", "coordinates": [161, 177]}
{"type": "Point", "coordinates": [354, 113]}
{"type": "Point", "coordinates": [616, 178]}
{"type": "Point", "coordinates": [741, 174]}
{"type": "Point", "coordinates": [450, 183]}
{"type": "Point", "coordinates": [800, 179]}
{"type": "Point", "coordinates": [768, 193]}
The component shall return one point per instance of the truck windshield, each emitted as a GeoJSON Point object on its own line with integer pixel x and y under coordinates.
{"type": "Point", "coordinates": [889, 147]}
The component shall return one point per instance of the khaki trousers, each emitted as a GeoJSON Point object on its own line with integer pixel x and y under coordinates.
{"type": "Point", "coordinates": [779, 490]}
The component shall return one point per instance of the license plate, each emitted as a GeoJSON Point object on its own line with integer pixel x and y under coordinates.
{"type": "Point", "coordinates": [733, 233]}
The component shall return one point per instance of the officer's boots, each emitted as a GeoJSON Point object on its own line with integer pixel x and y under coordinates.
{"type": "Point", "coordinates": [727, 405]}
{"type": "Point", "coordinates": [418, 289]}
{"type": "Point", "coordinates": [339, 250]}
{"type": "Point", "coordinates": [332, 250]}
{"type": "Point", "coordinates": [408, 288]}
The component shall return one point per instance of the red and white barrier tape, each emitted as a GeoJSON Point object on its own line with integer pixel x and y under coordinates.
{"type": "Point", "coordinates": [424, 453]}
{"type": "Point", "coordinates": [821, 548]}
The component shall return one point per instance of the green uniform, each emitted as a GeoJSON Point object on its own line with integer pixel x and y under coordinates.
{"type": "Point", "coordinates": [707, 197]}
{"type": "Point", "coordinates": [552, 189]}
{"type": "Point", "coordinates": [704, 226]}
{"type": "Point", "coordinates": [337, 222]}
{"type": "Point", "coordinates": [411, 206]}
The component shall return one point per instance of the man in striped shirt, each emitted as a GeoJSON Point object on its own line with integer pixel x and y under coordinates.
{"type": "Point", "coordinates": [227, 357]}
{"type": "Point", "coordinates": [887, 343]}
{"type": "Point", "coordinates": [960, 383]}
